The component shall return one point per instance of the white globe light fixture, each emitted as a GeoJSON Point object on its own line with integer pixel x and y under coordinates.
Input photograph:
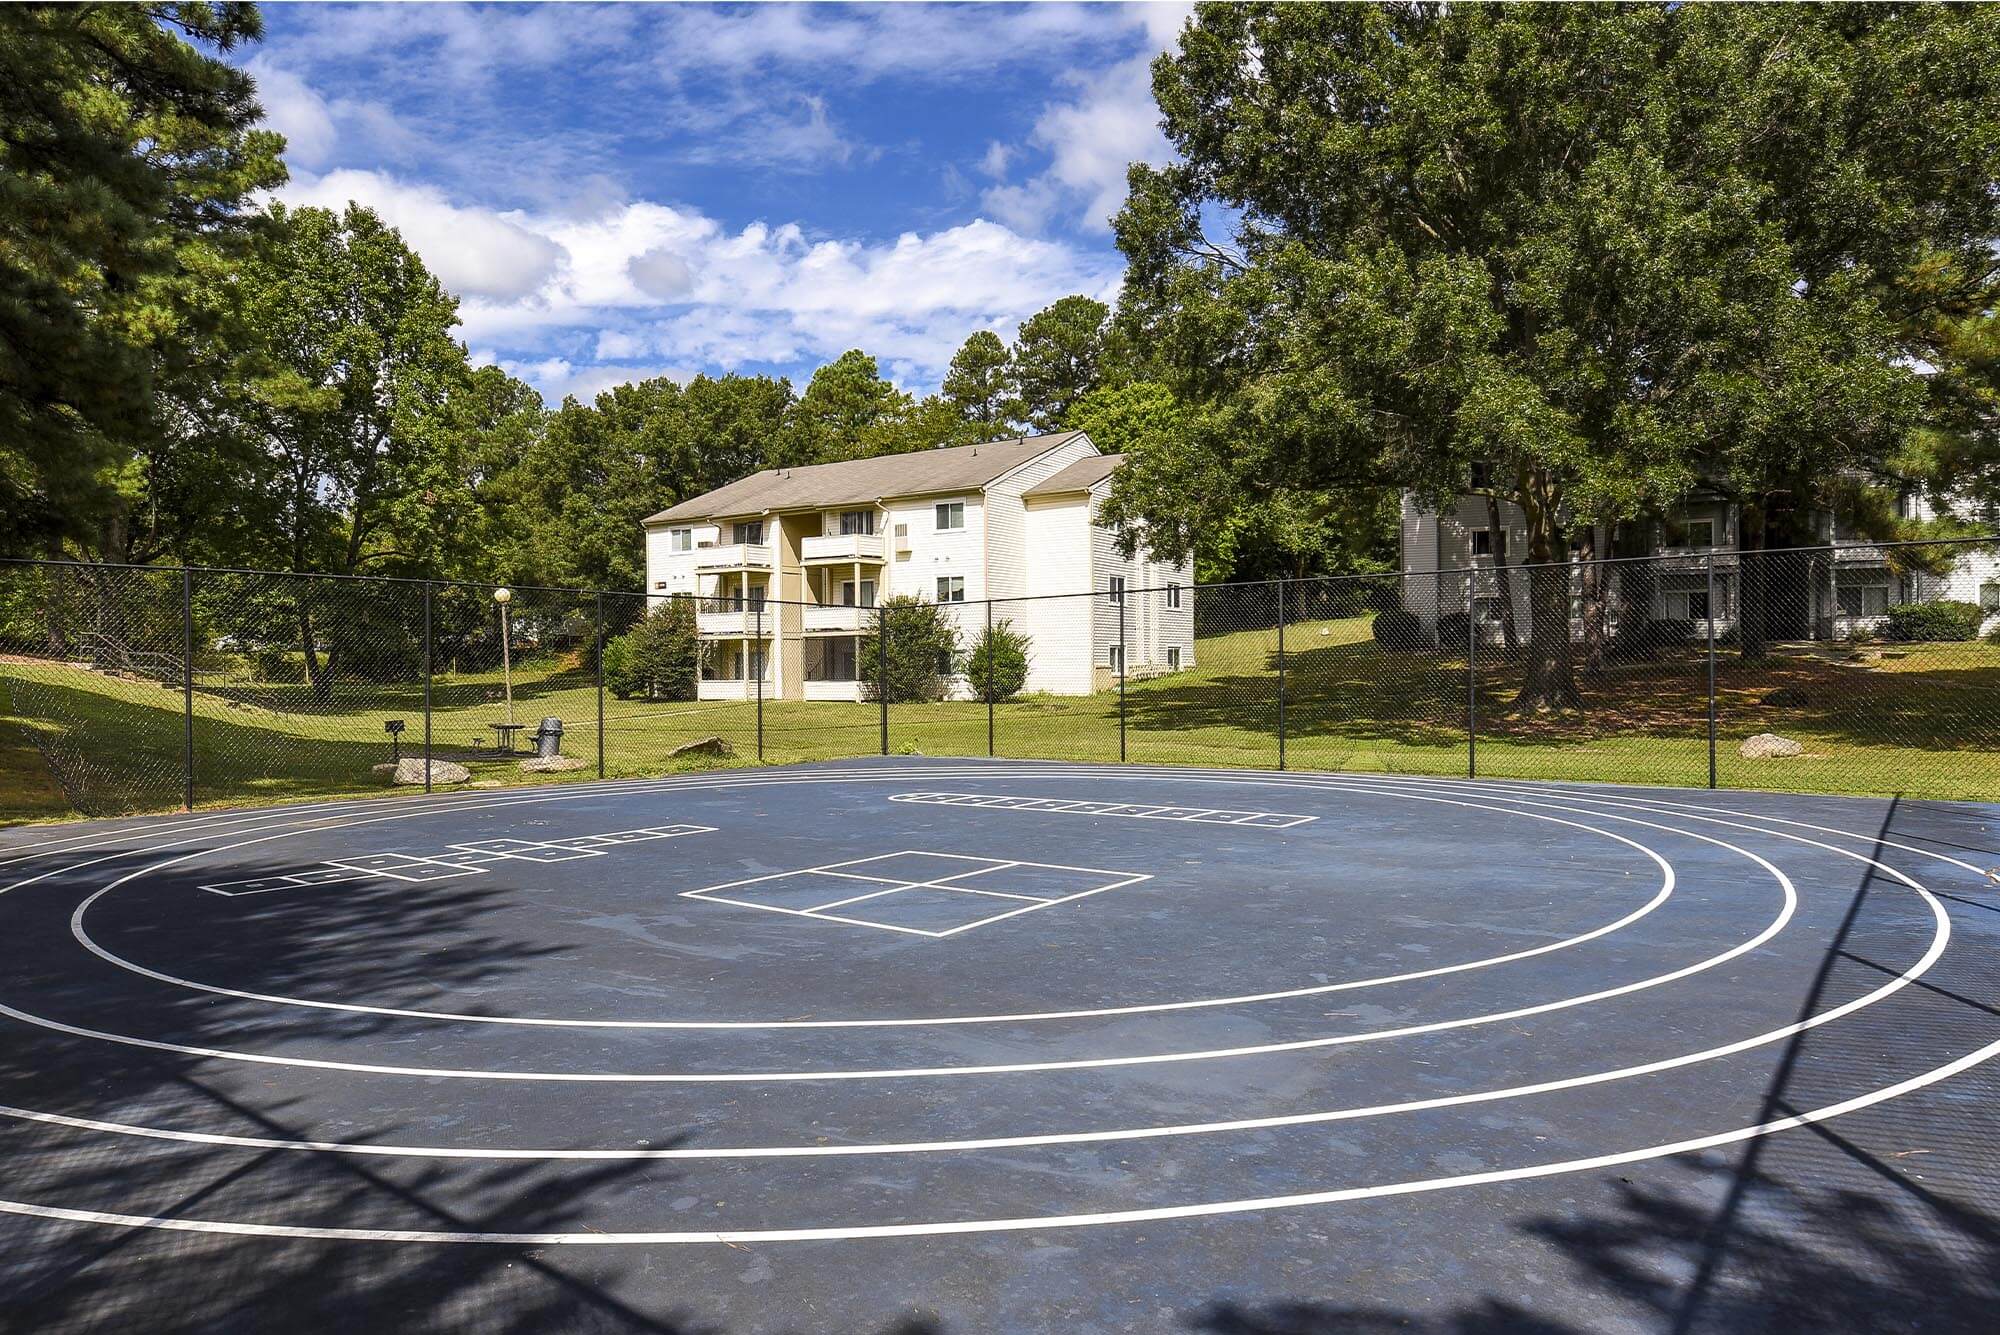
{"type": "Point", "coordinates": [504, 595]}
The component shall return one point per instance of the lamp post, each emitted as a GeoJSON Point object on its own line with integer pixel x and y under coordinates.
{"type": "Point", "coordinates": [504, 595]}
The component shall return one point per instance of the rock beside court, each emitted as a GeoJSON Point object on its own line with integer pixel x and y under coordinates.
{"type": "Point", "coordinates": [412, 771]}
{"type": "Point", "coordinates": [551, 765]}
{"type": "Point", "coordinates": [1768, 746]}
{"type": "Point", "coordinates": [707, 746]}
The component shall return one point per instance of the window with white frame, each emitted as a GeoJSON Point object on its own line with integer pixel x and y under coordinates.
{"type": "Point", "coordinates": [862, 596]}
{"type": "Point", "coordinates": [944, 663]}
{"type": "Point", "coordinates": [1989, 597]}
{"type": "Point", "coordinates": [1864, 600]}
{"type": "Point", "coordinates": [1173, 597]}
{"type": "Point", "coordinates": [857, 521]}
{"type": "Point", "coordinates": [680, 539]}
{"type": "Point", "coordinates": [1489, 542]}
{"type": "Point", "coordinates": [1693, 534]}
{"type": "Point", "coordinates": [1114, 657]}
{"type": "Point", "coordinates": [1173, 658]}
{"type": "Point", "coordinates": [751, 532]}
{"type": "Point", "coordinates": [950, 516]}
{"type": "Point", "coordinates": [951, 588]}
{"type": "Point", "coordinates": [1116, 588]}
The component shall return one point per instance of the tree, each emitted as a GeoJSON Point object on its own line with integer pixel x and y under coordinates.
{"type": "Point", "coordinates": [846, 412]}
{"type": "Point", "coordinates": [1058, 356]}
{"type": "Point", "coordinates": [997, 664]}
{"type": "Point", "coordinates": [980, 385]}
{"type": "Point", "coordinates": [1603, 252]}
{"type": "Point", "coordinates": [126, 157]}
{"type": "Point", "coordinates": [921, 653]}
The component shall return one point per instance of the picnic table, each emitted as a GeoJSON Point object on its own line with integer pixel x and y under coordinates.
{"type": "Point", "coordinates": [505, 733]}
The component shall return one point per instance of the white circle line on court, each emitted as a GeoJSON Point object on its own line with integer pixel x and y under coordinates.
{"type": "Point", "coordinates": [1012, 1068]}
{"type": "Point", "coordinates": [1660, 897]}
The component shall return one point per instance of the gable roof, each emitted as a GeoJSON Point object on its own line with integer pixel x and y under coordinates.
{"type": "Point", "coordinates": [1079, 476]}
{"type": "Point", "coordinates": [864, 481]}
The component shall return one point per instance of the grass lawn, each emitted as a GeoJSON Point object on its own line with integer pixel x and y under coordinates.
{"type": "Point", "coordinates": [1920, 720]}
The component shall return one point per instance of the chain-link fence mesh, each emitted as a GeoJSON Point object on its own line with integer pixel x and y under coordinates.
{"type": "Point", "coordinates": [1843, 669]}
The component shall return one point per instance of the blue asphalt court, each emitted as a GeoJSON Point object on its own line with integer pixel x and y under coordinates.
{"type": "Point", "coordinates": [937, 1046]}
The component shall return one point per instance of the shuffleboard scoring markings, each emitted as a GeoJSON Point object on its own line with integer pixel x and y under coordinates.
{"type": "Point", "coordinates": [1266, 820]}
{"type": "Point", "coordinates": [463, 859]}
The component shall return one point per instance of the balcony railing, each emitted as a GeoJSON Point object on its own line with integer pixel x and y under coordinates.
{"type": "Point", "coordinates": [734, 616]}
{"type": "Point", "coordinates": [838, 617]}
{"type": "Point", "coordinates": [866, 547]}
{"type": "Point", "coordinates": [735, 556]}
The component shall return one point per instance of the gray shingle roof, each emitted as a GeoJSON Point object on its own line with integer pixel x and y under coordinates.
{"type": "Point", "coordinates": [863, 481]}
{"type": "Point", "coordinates": [1079, 476]}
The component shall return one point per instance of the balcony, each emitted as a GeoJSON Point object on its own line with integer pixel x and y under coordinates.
{"type": "Point", "coordinates": [734, 617]}
{"type": "Point", "coordinates": [736, 556]}
{"type": "Point", "coordinates": [832, 690]}
{"type": "Point", "coordinates": [729, 688]}
{"type": "Point", "coordinates": [835, 618]}
{"type": "Point", "coordinates": [842, 549]}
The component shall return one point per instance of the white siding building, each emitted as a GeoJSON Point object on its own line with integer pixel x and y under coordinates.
{"type": "Point", "coordinates": [786, 564]}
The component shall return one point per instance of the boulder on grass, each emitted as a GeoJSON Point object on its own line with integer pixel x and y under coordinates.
{"type": "Point", "coordinates": [551, 765]}
{"type": "Point", "coordinates": [411, 770]}
{"type": "Point", "coordinates": [1768, 746]}
{"type": "Point", "coordinates": [707, 746]}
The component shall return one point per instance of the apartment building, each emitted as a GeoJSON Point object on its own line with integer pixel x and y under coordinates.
{"type": "Point", "coordinates": [788, 564]}
{"type": "Point", "coordinates": [1831, 594]}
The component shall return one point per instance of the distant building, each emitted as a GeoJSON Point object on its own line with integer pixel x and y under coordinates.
{"type": "Point", "coordinates": [787, 563]}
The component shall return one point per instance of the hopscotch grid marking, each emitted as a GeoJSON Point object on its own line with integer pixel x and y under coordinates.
{"type": "Point", "coordinates": [1264, 820]}
{"type": "Point", "coordinates": [463, 859]}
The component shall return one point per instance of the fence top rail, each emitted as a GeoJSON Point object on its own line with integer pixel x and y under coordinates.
{"type": "Point", "coordinates": [1681, 560]}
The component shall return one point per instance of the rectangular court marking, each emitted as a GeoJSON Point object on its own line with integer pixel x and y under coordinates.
{"type": "Point", "coordinates": [1263, 820]}
{"type": "Point", "coordinates": [466, 859]}
{"type": "Point", "coordinates": [882, 902]}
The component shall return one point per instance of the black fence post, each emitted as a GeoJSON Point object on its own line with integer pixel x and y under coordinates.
{"type": "Point", "coordinates": [763, 656]}
{"type": "Point", "coordinates": [429, 669]}
{"type": "Point", "coordinates": [1471, 681]}
{"type": "Point", "coordinates": [1709, 565]}
{"type": "Point", "coordinates": [882, 669]}
{"type": "Point", "coordinates": [986, 648]}
{"type": "Point", "coordinates": [1123, 654]}
{"type": "Point", "coordinates": [187, 688]}
{"type": "Point", "coordinates": [600, 684]}
{"type": "Point", "coordinates": [1281, 674]}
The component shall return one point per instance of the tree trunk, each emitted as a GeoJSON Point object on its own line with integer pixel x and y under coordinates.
{"type": "Point", "coordinates": [1596, 582]}
{"type": "Point", "coordinates": [1751, 595]}
{"type": "Point", "coordinates": [1550, 682]}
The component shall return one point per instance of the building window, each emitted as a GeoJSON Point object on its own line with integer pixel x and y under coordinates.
{"type": "Point", "coordinates": [1173, 597]}
{"type": "Point", "coordinates": [1989, 597]}
{"type": "Point", "coordinates": [1116, 588]}
{"type": "Point", "coordinates": [659, 584]}
{"type": "Point", "coordinates": [1691, 534]}
{"type": "Point", "coordinates": [950, 515]}
{"type": "Point", "coordinates": [1114, 657]}
{"type": "Point", "coordinates": [1488, 542]}
{"type": "Point", "coordinates": [751, 533]}
{"type": "Point", "coordinates": [1864, 600]}
{"type": "Point", "coordinates": [951, 588]}
{"type": "Point", "coordinates": [680, 539]}
{"type": "Point", "coordinates": [865, 597]}
{"type": "Point", "coordinates": [857, 521]}
{"type": "Point", "coordinates": [1698, 605]}
{"type": "Point", "coordinates": [944, 662]}
{"type": "Point", "coordinates": [1173, 658]}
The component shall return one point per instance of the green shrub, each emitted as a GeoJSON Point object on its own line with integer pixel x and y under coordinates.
{"type": "Point", "coordinates": [659, 659]}
{"type": "Point", "coordinates": [1942, 620]}
{"type": "Point", "coordinates": [1399, 630]}
{"type": "Point", "coordinates": [282, 666]}
{"type": "Point", "coordinates": [922, 653]}
{"type": "Point", "coordinates": [998, 662]}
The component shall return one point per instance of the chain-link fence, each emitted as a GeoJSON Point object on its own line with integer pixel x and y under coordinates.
{"type": "Point", "coordinates": [1868, 669]}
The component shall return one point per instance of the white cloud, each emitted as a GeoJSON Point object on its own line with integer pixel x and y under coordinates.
{"type": "Point", "coordinates": [647, 285]}
{"type": "Point", "coordinates": [1092, 137]}
{"type": "Point", "coordinates": [477, 253]}
{"type": "Point", "coordinates": [994, 164]}
{"type": "Point", "coordinates": [295, 111]}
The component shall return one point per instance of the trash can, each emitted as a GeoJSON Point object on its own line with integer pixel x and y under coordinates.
{"type": "Point", "coordinates": [548, 738]}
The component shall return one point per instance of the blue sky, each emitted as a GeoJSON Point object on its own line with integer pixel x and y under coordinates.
{"type": "Point", "coordinates": [623, 191]}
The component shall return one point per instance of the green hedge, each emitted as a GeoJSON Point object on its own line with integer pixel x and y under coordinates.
{"type": "Point", "coordinates": [1944, 620]}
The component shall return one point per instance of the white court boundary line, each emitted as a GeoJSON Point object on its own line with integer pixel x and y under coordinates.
{"type": "Point", "coordinates": [1660, 897]}
{"type": "Point", "coordinates": [1172, 1212]}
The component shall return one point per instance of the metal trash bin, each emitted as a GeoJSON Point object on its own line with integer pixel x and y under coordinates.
{"type": "Point", "coordinates": [548, 738]}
